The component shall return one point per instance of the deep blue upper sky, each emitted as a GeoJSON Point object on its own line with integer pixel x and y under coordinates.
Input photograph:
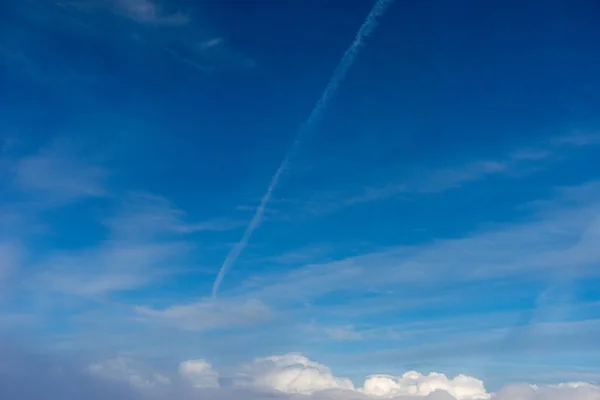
{"type": "Point", "coordinates": [442, 215]}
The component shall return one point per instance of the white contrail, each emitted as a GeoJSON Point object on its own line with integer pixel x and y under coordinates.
{"type": "Point", "coordinates": [337, 78]}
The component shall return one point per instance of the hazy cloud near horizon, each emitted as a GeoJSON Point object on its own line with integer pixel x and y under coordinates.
{"type": "Point", "coordinates": [26, 376]}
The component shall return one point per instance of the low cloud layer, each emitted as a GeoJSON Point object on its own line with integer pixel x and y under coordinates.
{"type": "Point", "coordinates": [287, 377]}
{"type": "Point", "coordinates": [125, 370]}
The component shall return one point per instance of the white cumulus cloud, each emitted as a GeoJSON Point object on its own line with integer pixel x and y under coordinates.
{"type": "Point", "coordinates": [414, 384]}
{"type": "Point", "coordinates": [291, 373]}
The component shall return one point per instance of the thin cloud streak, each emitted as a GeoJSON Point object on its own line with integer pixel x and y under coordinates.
{"type": "Point", "coordinates": [519, 163]}
{"type": "Point", "coordinates": [338, 76]}
{"type": "Point", "coordinates": [558, 236]}
{"type": "Point", "coordinates": [206, 315]}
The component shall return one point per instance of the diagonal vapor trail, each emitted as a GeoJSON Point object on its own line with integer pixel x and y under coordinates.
{"type": "Point", "coordinates": [338, 76]}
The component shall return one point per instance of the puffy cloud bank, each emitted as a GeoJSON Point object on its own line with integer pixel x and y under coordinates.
{"type": "Point", "coordinates": [295, 374]}
{"type": "Point", "coordinates": [297, 377]}
{"type": "Point", "coordinates": [284, 377]}
{"type": "Point", "coordinates": [413, 383]}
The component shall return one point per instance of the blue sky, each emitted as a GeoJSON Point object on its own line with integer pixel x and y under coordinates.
{"type": "Point", "coordinates": [442, 215]}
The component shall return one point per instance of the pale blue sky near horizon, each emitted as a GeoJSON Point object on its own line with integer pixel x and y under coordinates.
{"type": "Point", "coordinates": [443, 215]}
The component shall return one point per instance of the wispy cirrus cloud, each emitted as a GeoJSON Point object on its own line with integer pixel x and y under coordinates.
{"type": "Point", "coordinates": [558, 237]}
{"type": "Point", "coordinates": [149, 12]}
{"type": "Point", "coordinates": [10, 254]}
{"type": "Point", "coordinates": [210, 43]}
{"type": "Point", "coordinates": [208, 314]}
{"type": "Point", "coordinates": [146, 240]}
{"type": "Point", "coordinates": [107, 268]}
{"type": "Point", "coordinates": [210, 55]}
{"type": "Point", "coordinates": [364, 298]}
{"type": "Point", "coordinates": [36, 183]}
{"type": "Point", "coordinates": [140, 236]}
{"type": "Point", "coordinates": [212, 225]}
{"type": "Point", "coordinates": [435, 180]}
{"type": "Point", "coordinates": [516, 162]}
{"type": "Point", "coordinates": [581, 138]}
{"type": "Point", "coordinates": [303, 255]}
{"type": "Point", "coordinates": [563, 339]}
{"type": "Point", "coordinates": [145, 214]}
{"type": "Point", "coordinates": [206, 55]}
{"type": "Point", "coordinates": [57, 174]}
{"type": "Point", "coordinates": [346, 332]}
{"type": "Point", "coordinates": [168, 29]}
